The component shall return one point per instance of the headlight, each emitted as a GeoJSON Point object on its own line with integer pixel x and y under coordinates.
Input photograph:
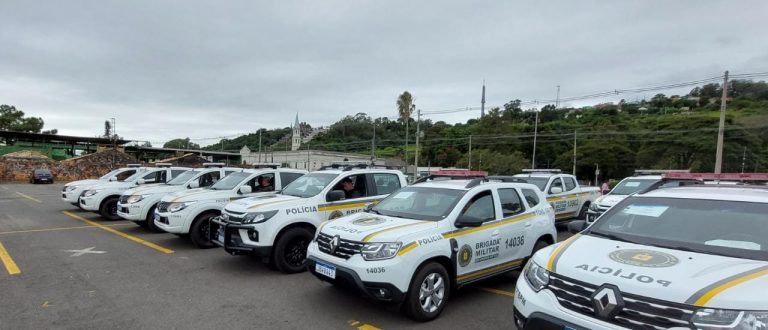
{"type": "Point", "coordinates": [89, 193]}
{"type": "Point", "coordinates": [258, 217]}
{"type": "Point", "coordinates": [135, 198]}
{"type": "Point", "coordinates": [380, 251]}
{"type": "Point", "coordinates": [176, 207]}
{"type": "Point", "coordinates": [720, 319]}
{"type": "Point", "coordinates": [593, 207]}
{"type": "Point", "coordinates": [70, 188]}
{"type": "Point", "coordinates": [536, 276]}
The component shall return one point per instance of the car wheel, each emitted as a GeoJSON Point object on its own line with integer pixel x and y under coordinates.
{"type": "Point", "coordinates": [200, 231]}
{"type": "Point", "coordinates": [583, 212]}
{"type": "Point", "coordinates": [151, 221]}
{"type": "Point", "coordinates": [290, 255]}
{"type": "Point", "coordinates": [108, 209]}
{"type": "Point", "coordinates": [428, 292]}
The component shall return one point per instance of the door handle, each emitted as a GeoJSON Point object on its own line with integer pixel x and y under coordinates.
{"type": "Point", "coordinates": [495, 233]}
{"type": "Point", "coordinates": [528, 224]}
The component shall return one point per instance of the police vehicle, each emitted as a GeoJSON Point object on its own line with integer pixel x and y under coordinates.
{"type": "Point", "coordinates": [190, 211]}
{"type": "Point", "coordinates": [102, 198]}
{"type": "Point", "coordinates": [424, 241]}
{"type": "Point", "coordinates": [279, 227]}
{"type": "Point", "coordinates": [563, 191]}
{"type": "Point", "coordinates": [138, 204]}
{"type": "Point", "coordinates": [688, 257]}
{"type": "Point", "coordinates": [71, 191]}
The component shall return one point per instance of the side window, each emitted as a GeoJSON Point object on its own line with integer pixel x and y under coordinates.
{"type": "Point", "coordinates": [288, 177]}
{"type": "Point", "coordinates": [124, 175]}
{"type": "Point", "coordinates": [570, 184]}
{"type": "Point", "coordinates": [510, 202]}
{"type": "Point", "coordinates": [480, 207]}
{"type": "Point", "coordinates": [208, 179]}
{"type": "Point", "coordinates": [386, 183]}
{"type": "Point", "coordinates": [228, 172]}
{"type": "Point", "coordinates": [353, 186]}
{"type": "Point", "coordinates": [152, 177]}
{"type": "Point", "coordinates": [175, 173]}
{"type": "Point", "coordinates": [531, 197]}
{"type": "Point", "coordinates": [556, 183]}
{"type": "Point", "coordinates": [263, 183]}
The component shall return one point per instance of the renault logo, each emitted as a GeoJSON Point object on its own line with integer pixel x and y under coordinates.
{"type": "Point", "coordinates": [334, 243]}
{"type": "Point", "coordinates": [607, 301]}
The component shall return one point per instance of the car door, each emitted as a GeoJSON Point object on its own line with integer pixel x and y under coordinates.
{"type": "Point", "coordinates": [516, 225]}
{"type": "Point", "coordinates": [358, 198]}
{"type": "Point", "coordinates": [480, 244]}
{"type": "Point", "coordinates": [572, 194]}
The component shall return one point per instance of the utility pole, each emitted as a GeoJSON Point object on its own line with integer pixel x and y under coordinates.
{"type": "Point", "coordinates": [482, 102]}
{"type": "Point", "coordinates": [470, 153]}
{"type": "Point", "coordinates": [407, 119]}
{"type": "Point", "coordinates": [307, 156]}
{"type": "Point", "coordinates": [574, 153]}
{"type": "Point", "coordinates": [373, 143]}
{"type": "Point", "coordinates": [418, 132]}
{"type": "Point", "coordinates": [557, 101]}
{"type": "Point", "coordinates": [265, 158]}
{"type": "Point", "coordinates": [721, 128]}
{"type": "Point", "coordinates": [743, 159]}
{"type": "Point", "coordinates": [535, 133]}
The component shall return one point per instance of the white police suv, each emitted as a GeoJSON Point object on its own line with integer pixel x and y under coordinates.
{"type": "Point", "coordinates": [279, 227]}
{"type": "Point", "coordinates": [71, 191]}
{"type": "Point", "coordinates": [190, 211]}
{"type": "Point", "coordinates": [425, 240]}
{"type": "Point", "coordinates": [102, 198]}
{"type": "Point", "coordinates": [689, 257]}
{"type": "Point", "coordinates": [138, 204]}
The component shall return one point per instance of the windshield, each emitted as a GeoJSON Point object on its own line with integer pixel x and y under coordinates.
{"type": "Point", "coordinates": [231, 181]}
{"type": "Point", "coordinates": [420, 203]}
{"type": "Point", "coordinates": [182, 178]}
{"type": "Point", "coordinates": [631, 186]}
{"type": "Point", "coordinates": [42, 171]}
{"type": "Point", "coordinates": [111, 173]}
{"type": "Point", "coordinates": [139, 173]}
{"type": "Point", "coordinates": [729, 228]}
{"type": "Point", "coordinates": [309, 185]}
{"type": "Point", "coordinates": [539, 182]}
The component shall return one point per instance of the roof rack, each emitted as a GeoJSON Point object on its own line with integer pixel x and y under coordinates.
{"type": "Point", "coordinates": [133, 165]}
{"type": "Point", "coordinates": [505, 178]}
{"type": "Point", "coordinates": [348, 166]}
{"type": "Point", "coordinates": [267, 165]}
{"type": "Point", "coordinates": [213, 165]}
{"type": "Point", "coordinates": [739, 177]}
{"type": "Point", "coordinates": [452, 175]}
{"type": "Point", "coordinates": [543, 170]}
{"type": "Point", "coordinates": [658, 172]}
{"type": "Point", "coordinates": [163, 165]}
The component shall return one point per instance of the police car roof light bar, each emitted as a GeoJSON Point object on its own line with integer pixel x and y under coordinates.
{"type": "Point", "coordinates": [658, 172]}
{"type": "Point", "coordinates": [163, 165]}
{"type": "Point", "coordinates": [133, 165]}
{"type": "Point", "coordinates": [266, 165]}
{"type": "Point", "coordinates": [543, 170]}
{"type": "Point", "coordinates": [717, 177]}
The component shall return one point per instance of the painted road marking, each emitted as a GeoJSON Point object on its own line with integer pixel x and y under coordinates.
{"type": "Point", "coordinates": [10, 265]}
{"type": "Point", "coordinates": [58, 229]}
{"type": "Point", "coordinates": [497, 291]}
{"type": "Point", "coordinates": [29, 197]}
{"type": "Point", "coordinates": [119, 233]}
{"type": "Point", "coordinates": [364, 326]}
{"type": "Point", "coordinates": [6, 188]}
{"type": "Point", "coordinates": [77, 253]}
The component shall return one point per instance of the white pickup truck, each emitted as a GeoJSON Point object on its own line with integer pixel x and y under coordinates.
{"type": "Point", "coordinates": [563, 192]}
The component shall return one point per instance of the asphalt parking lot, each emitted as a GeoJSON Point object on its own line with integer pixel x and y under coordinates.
{"type": "Point", "coordinates": [67, 268]}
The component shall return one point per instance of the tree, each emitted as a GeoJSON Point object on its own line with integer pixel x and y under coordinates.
{"type": "Point", "coordinates": [405, 106]}
{"type": "Point", "coordinates": [184, 143]}
{"type": "Point", "coordinates": [12, 119]}
{"type": "Point", "coordinates": [107, 129]}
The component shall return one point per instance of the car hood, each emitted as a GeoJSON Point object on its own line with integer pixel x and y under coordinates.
{"type": "Point", "coordinates": [369, 227]}
{"type": "Point", "coordinates": [691, 278]}
{"type": "Point", "coordinates": [609, 200]}
{"type": "Point", "coordinates": [150, 189]}
{"type": "Point", "coordinates": [114, 185]}
{"type": "Point", "coordinates": [190, 195]}
{"type": "Point", "coordinates": [268, 202]}
{"type": "Point", "coordinates": [79, 183]}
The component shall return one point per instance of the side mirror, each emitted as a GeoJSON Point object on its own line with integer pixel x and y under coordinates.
{"type": "Point", "coordinates": [577, 226]}
{"type": "Point", "coordinates": [467, 221]}
{"type": "Point", "coordinates": [244, 190]}
{"type": "Point", "coordinates": [555, 190]}
{"type": "Point", "coordinates": [335, 195]}
{"type": "Point", "coordinates": [112, 179]}
{"type": "Point", "coordinates": [141, 181]}
{"type": "Point", "coordinates": [194, 184]}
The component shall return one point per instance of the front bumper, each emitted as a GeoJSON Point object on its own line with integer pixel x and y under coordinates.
{"type": "Point", "coordinates": [377, 291]}
{"type": "Point", "coordinates": [228, 235]}
{"type": "Point", "coordinates": [171, 222]}
{"type": "Point", "coordinates": [72, 196]}
{"type": "Point", "coordinates": [592, 215]}
{"type": "Point", "coordinates": [89, 203]}
{"type": "Point", "coordinates": [541, 310]}
{"type": "Point", "coordinates": [133, 212]}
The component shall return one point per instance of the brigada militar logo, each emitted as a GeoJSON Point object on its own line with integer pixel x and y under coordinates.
{"type": "Point", "coordinates": [369, 221]}
{"type": "Point", "coordinates": [465, 255]}
{"type": "Point", "coordinates": [644, 258]}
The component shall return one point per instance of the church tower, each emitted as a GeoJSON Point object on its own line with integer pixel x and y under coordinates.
{"type": "Point", "coordinates": [296, 136]}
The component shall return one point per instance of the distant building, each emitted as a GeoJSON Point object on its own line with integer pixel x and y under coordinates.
{"type": "Point", "coordinates": [296, 135]}
{"type": "Point", "coordinates": [309, 160]}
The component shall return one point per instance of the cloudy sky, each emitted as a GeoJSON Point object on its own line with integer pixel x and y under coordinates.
{"type": "Point", "coordinates": [203, 69]}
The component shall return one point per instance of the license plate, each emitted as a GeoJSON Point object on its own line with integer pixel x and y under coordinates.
{"type": "Point", "coordinates": [325, 270]}
{"type": "Point", "coordinates": [220, 236]}
{"type": "Point", "coordinates": [568, 328]}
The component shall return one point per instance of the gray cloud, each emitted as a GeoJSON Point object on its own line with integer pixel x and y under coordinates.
{"type": "Point", "coordinates": [203, 69]}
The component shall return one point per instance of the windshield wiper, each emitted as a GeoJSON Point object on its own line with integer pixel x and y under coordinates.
{"type": "Point", "coordinates": [374, 211]}
{"type": "Point", "coordinates": [610, 236]}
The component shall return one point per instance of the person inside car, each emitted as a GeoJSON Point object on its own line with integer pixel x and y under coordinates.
{"type": "Point", "coordinates": [265, 184]}
{"type": "Point", "coordinates": [349, 188]}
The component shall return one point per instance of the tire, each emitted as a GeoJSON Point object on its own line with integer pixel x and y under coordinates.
{"type": "Point", "coordinates": [199, 232]}
{"type": "Point", "coordinates": [290, 254]}
{"type": "Point", "coordinates": [432, 274]}
{"type": "Point", "coordinates": [108, 209]}
{"type": "Point", "coordinates": [583, 213]}
{"type": "Point", "coordinates": [151, 221]}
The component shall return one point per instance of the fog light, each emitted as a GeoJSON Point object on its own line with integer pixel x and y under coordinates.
{"type": "Point", "coordinates": [253, 235]}
{"type": "Point", "coordinates": [380, 293]}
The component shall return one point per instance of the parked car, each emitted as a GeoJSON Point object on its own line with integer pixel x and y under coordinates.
{"type": "Point", "coordinates": [568, 198]}
{"type": "Point", "coordinates": [41, 175]}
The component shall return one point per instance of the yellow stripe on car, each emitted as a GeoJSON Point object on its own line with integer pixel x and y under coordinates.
{"type": "Point", "coordinates": [341, 206]}
{"type": "Point", "coordinates": [269, 203]}
{"type": "Point", "coordinates": [490, 270]}
{"type": "Point", "coordinates": [703, 296]}
{"type": "Point", "coordinates": [501, 222]}
{"type": "Point", "coordinates": [410, 246]}
{"type": "Point", "coordinates": [559, 251]}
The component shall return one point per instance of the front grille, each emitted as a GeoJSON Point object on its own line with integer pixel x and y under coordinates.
{"type": "Point", "coordinates": [232, 216]}
{"type": "Point", "coordinates": [163, 206]}
{"type": "Point", "coordinates": [638, 313]}
{"type": "Point", "coordinates": [345, 250]}
{"type": "Point", "coordinates": [123, 199]}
